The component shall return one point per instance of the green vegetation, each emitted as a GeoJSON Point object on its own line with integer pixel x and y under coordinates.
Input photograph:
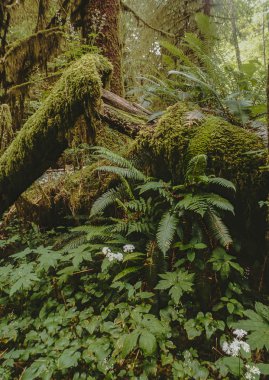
{"type": "Point", "coordinates": [134, 230]}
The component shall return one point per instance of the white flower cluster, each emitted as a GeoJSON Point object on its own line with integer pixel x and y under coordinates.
{"type": "Point", "coordinates": [128, 248]}
{"type": "Point", "coordinates": [111, 256]}
{"type": "Point", "coordinates": [252, 371]}
{"type": "Point", "coordinates": [234, 348]}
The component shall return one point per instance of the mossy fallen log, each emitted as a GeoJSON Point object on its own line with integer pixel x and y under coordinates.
{"type": "Point", "coordinates": [185, 131]}
{"type": "Point", "coordinates": [60, 197]}
{"type": "Point", "coordinates": [233, 153]}
{"type": "Point", "coordinates": [44, 136]}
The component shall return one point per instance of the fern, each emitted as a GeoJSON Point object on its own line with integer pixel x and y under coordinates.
{"type": "Point", "coordinates": [151, 186]}
{"type": "Point", "coordinates": [220, 182]}
{"type": "Point", "coordinates": [196, 167]}
{"type": "Point", "coordinates": [166, 231]}
{"type": "Point", "coordinates": [218, 230]}
{"type": "Point", "coordinates": [193, 203]}
{"type": "Point", "coordinates": [218, 202]}
{"type": "Point", "coordinates": [108, 155]}
{"type": "Point", "coordinates": [105, 200]}
{"type": "Point", "coordinates": [130, 173]}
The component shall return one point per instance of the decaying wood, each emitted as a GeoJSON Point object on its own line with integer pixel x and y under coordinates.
{"type": "Point", "coordinates": [123, 104]}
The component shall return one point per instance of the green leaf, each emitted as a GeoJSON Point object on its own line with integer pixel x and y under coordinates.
{"type": "Point", "coordinates": [191, 256]}
{"type": "Point", "coordinates": [133, 256]}
{"type": "Point", "coordinates": [258, 325]}
{"type": "Point", "coordinates": [179, 282]}
{"type": "Point", "coordinates": [230, 307]}
{"type": "Point", "coordinates": [24, 277]}
{"type": "Point", "coordinates": [129, 342]}
{"type": "Point", "coordinates": [69, 358]}
{"type": "Point", "coordinates": [125, 272]}
{"type": "Point", "coordinates": [147, 342]}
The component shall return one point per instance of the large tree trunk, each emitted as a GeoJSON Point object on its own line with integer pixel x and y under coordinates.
{"type": "Point", "coordinates": [44, 136]}
{"type": "Point", "coordinates": [102, 17]}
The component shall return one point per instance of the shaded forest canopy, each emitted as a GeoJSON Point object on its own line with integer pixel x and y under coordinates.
{"type": "Point", "coordinates": [134, 231]}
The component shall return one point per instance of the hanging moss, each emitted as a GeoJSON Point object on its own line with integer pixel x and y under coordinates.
{"type": "Point", "coordinates": [43, 137]}
{"type": "Point", "coordinates": [6, 131]}
{"type": "Point", "coordinates": [24, 54]}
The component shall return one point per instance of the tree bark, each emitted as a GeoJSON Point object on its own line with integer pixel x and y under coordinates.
{"type": "Point", "coordinates": [102, 18]}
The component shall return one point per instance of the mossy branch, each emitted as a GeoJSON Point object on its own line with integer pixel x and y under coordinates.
{"type": "Point", "coordinates": [44, 136]}
{"type": "Point", "coordinates": [23, 55]}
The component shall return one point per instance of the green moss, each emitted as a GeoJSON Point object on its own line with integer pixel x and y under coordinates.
{"type": "Point", "coordinates": [6, 131]}
{"type": "Point", "coordinates": [44, 135]}
{"type": "Point", "coordinates": [22, 55]}
{"type": "Point", "coordinates": [227, 148]}
{"type": "Point", "coordinates": [112, 139]}
{"type": "Point", "coordinates": [168, 141]}
{"type": "Point", "coordinates": [172, 142]}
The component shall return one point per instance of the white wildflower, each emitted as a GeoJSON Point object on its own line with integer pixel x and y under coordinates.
{"type": "Point", "coordinates": [112, 256]}
{"type": "Point", "coordinates": [239, 333]}
{"type": "Point", "coordinates": [252, 371]}
{"type": "Point", "coordinates": [235, 347]}
{"type": "Point", "coordinates": [118, 256]}
{"type": "Point", "coordinates": [106, 251]}
{"type": "Point", "coordinates": [226, 348]}
{"type": "Point", "coordinates": [245, 346]}
{"type": "Point", "coordinates": [128, 248]}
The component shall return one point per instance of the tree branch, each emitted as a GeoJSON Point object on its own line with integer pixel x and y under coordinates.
{"type": "Point", "coordinates": [127, 8]}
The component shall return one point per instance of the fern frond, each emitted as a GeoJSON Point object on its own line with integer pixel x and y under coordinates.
{"type": "Point", "coordinates": [106, 154]}
{"type": "Point", "coordinates": [141, 226]}
{"type": "Point", "coordinates": [139, 205]}
{"type": "Point", "coordinates": [166, 231]}
{"type": "Point", "coordinates": [218, 230]}
{"type": "Point", "coordinates": [105, 200]}
{"type": "Point", "coordinates": [75, 242]}
{"type": "Point", "coordinates": [218, 202]}
{"type": "Point", "coordinates": [131, 173]}
{"type": "Point", "coordinates": [176, 52]}
{"type": "Point", "coordinates": [196, 167]}
{"type": "Point", "coordinates": [193, 203]}
{"type": "Point", "coordinates": [98, 232]}
{"type": "Point", "coordinates": [221, 182]}
{"type": "Point", "coordinates": [150, 186]}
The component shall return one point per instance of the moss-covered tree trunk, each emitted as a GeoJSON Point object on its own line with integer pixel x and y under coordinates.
{"type": "Point", "coordinates": [44, 136]}
{"type": "Point", "coordinates": [102, 17]}
{"type": "Point", "coordinates": [4, 24]}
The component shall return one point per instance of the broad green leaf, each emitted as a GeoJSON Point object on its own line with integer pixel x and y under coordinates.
{"type": "Point", "coordinates": [147, 342]}
{"type": "Point", "coordinates": [125, 272]}
{"type": "Point", "coordinates": [129, 342]}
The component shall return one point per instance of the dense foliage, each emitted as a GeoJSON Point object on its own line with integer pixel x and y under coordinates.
{"type": "Point", "coordinates": [150, 293]}
{"type": "Point", "coordinates": [146, 256]}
